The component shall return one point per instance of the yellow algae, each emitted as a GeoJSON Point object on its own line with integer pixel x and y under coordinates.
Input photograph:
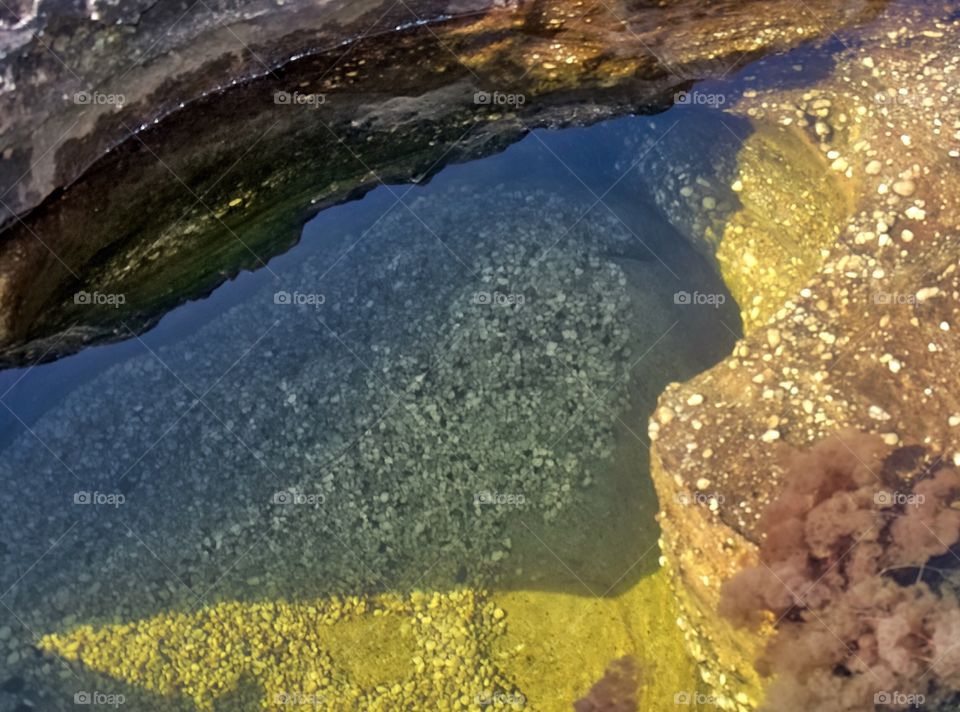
{"type": "Point", "coordinates": [373, 650]}
{"type": "Point", "coordinates": [289, 650]}
{"type": "Point", "coordinates": [791, 210]}
{"type": "Point", "coordinates": [560, 644]}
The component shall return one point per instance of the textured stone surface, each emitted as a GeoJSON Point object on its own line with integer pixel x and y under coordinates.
{"type": "Point", "coordinates": [868, 340]}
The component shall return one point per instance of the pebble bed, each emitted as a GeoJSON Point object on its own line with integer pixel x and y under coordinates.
{"type": "Point", "coordinates": [365, 424]}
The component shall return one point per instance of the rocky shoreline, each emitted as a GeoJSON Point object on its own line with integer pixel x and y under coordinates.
{"type": "Point", "coordinates": [144, 202]}
{"type": "Point", "coordinates": [867, 340]}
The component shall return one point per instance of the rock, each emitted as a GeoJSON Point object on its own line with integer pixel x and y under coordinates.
{"type": "Point", "coordinates": [927, 293]}
{"type": "Point", "coordinates": [904, 188]}
{"type": "Point", "coordinates": [887, 366]}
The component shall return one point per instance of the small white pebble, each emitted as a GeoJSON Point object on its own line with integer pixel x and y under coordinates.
{"type": "Point", "coordinates": [927, 293]}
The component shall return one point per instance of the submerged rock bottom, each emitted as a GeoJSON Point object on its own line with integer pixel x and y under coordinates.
{"type": "Point", "coordinates": [401, 476]}
{"type": "Point", "coordinates": [456, 650]}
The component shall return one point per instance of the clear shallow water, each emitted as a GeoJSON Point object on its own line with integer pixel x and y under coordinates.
{"type": "Point", "coordinates": [442, 388]}
{"type": "Point", "coordinates": [408, 461]}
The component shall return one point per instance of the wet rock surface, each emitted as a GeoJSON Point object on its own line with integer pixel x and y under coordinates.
{"type": "Point", "coordinates": [205, 174]}
{"type": "Point", "coordinates": [867, 341]}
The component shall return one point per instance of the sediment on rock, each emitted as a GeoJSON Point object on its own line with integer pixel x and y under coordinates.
{"type": "Point", "coordinates": [866, 340]}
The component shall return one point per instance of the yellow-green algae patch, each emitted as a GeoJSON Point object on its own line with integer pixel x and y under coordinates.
{"type": "Point", "coordinates": [446, 651]}
{"type": "Point", "coordinates": [559, 644]}
{"type": "Point", "coordinates": [298, 653]}
{"type": "Point", "coordinates": [792, 207]}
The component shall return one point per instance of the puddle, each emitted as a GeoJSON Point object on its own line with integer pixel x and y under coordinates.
{"type": "Point", "coordinates": [442, 388]}
{"type": "Point", "coordinates": [426, 421]}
